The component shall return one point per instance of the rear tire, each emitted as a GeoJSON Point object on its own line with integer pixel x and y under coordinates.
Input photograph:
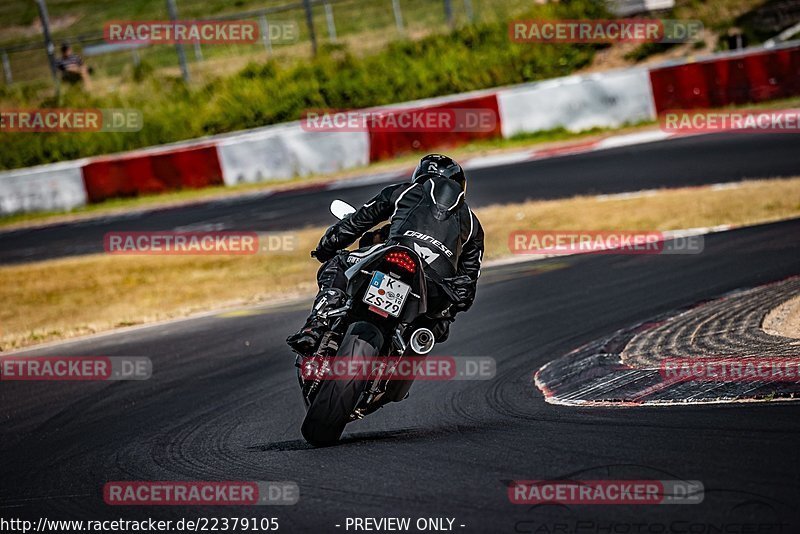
{"type": "Point", "coordinates": [335, 400]}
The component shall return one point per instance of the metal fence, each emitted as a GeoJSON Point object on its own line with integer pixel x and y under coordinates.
{"type": "Point", "coordinates": [362, 25]}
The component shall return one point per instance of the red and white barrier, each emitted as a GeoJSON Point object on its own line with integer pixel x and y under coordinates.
{"type": "Point", "coordinates": [152, 171]}
{"type": "Point", "coordinates": [391, 142]}
{"type": "Point", "coordinates": [727, 80]}
{"type": "Point", "coordinates": [575, 103]}
{"type": "Point", "coordinates": [606, 99]}
{"type": "Point", "coordinates": [54, 187]}
{"type": "Point", "coordinates": [285, 151]}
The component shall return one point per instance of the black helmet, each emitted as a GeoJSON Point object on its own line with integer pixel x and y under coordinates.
{"type": "Point", "coordinates": [439, 165]}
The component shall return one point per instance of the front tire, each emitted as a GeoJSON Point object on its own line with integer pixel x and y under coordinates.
{"type": "Point", "coordinates": [335, 400]}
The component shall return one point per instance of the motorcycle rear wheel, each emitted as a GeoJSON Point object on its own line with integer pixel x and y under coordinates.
{"type": "Point", "coordinates": [332, 406]}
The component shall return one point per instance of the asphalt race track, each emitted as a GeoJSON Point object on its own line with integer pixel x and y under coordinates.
{"type": "Point", "coordinates": [223, 404]}
{"type": "Point", "coordinates": [675, 162]}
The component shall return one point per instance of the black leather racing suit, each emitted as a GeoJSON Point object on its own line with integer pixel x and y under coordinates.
{"type": "Point", "coordinates": [431, 218]}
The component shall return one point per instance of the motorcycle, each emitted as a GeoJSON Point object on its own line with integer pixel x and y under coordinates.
{"type": "Point", "coordinates": [387, 317]}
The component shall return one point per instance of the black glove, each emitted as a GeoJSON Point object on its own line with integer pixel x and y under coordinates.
{"type": "Point", "coordinates": [322, 255]}
{"type": "Point", "coordinates": [463, 289]}
{"type": "Point", "coordinates": [326, 249]}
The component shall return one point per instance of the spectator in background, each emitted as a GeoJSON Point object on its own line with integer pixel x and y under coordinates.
{"type": "Point", "coordinates": [736, 40]}
{"type": "Point", "coordinates": [73, 69]}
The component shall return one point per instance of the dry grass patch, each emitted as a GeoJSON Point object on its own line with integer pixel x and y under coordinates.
{"type": "Point", "coordinates": [747, 203]}
{"type": "Point", "coordinates": [75, 296]}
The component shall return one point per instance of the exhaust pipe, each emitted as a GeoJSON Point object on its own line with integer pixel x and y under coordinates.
{"type": "Point", "coordinates": [422, 341]}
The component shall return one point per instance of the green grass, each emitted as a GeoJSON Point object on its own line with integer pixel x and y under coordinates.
{"type": "Point", "coordinates": [74, 17]}
{"type": "Point", "coordinates": [270, 92]}
{"type": "Point", "coordinates": [365, 26]}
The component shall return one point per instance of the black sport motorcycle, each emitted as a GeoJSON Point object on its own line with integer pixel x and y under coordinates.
{"type": "Point", "coordinates": [388, 316]}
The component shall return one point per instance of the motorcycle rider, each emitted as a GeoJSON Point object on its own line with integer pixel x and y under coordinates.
{"type": "Point", "coordinates": [428, 215]}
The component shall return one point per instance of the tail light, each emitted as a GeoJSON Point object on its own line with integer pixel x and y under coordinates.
{"type": "Point", "coordinates": [402, 260]}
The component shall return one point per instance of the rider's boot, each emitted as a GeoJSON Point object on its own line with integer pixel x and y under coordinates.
{"type": "Point", "coordinates": [306, 340]}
